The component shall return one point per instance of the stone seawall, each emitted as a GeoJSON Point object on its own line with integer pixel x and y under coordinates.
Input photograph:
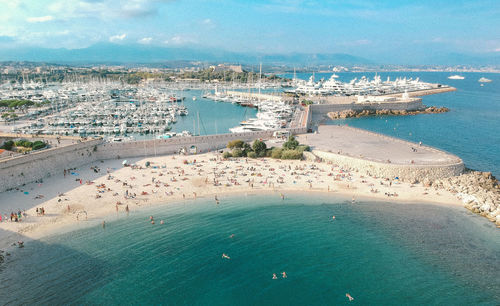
{"type": "Point", "coordinates": [200, 144]}
{"type": "Point", "coordinates": [29, 168]}
{"type": "Point", "coordinates": [409, 173]}
{"type": "Point", "coordinates": [32, 167]}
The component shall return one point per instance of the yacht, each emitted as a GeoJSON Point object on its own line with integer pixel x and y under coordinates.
{"type": "Point", "coordinates": [484, 80]}
{"type": "Point", "coordinates": [456, 77]}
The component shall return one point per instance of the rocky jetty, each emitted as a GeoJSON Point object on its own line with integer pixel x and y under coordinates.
{"type": "Point", "coordinates": [384, 112]}
{"type": "Point", "coordinates": [479, 191]}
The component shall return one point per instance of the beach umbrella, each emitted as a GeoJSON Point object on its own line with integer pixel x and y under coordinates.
{"type": "Point", "coordinates": [124, 162]}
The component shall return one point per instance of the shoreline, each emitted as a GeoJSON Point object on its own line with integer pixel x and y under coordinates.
{"type": "Point", "coordinates": [268, 176]}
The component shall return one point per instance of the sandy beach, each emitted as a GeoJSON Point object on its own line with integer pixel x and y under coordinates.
{"type": "Point", "coordinates": [96, 191]}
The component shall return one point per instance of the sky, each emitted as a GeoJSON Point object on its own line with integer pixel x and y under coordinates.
{"type": "Point", "coordinates": [368, 28]}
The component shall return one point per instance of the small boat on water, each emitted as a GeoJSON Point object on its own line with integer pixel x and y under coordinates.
{"type": "Point", "coordinates": [456, 77]}
{"type": "Point", "coordinates": [484, 80]}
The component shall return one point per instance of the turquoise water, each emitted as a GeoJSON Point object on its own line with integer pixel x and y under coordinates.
{"type": "Point", "coordinates": [380, 253]}
{"type": "Point", "coordinates": [470, 130]}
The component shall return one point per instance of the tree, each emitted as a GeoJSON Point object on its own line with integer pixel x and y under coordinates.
{"type": "Point", "coordinates": [291, 143]}
{"type": "Point", "coordinates": [259, 147]}
{"type": "Point", "coordinates": [235, 144]}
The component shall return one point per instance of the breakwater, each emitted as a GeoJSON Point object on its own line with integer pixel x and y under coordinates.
{"type": "Point", "coordinates": [405, 172]}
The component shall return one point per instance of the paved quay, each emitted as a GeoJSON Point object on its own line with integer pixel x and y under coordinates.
{"type": "Point", "coordinates": [362, 144]}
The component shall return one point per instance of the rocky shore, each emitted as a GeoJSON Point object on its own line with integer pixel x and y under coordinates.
{"type": "Point", "coordinates": [479, 191]}
{"type": "Point", "coordinates": [384, 112]}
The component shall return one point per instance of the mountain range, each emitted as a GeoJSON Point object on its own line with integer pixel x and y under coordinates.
{"type": "Point", "coordinates": [109, 53]}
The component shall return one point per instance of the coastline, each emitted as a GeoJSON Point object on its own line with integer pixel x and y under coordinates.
{"type": "Point", "coordinates": [189, 179]}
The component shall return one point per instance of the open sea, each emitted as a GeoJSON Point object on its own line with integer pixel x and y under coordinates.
{"type": "Point", "coordinates": [380, 253]}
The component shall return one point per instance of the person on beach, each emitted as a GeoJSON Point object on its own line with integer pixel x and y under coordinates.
{"type": "Point", "coordinates": [103, 224]}
{"type": "Point", "coordinates": [126, 209]}
{"type": "Point", "coordinates": [282, 196]}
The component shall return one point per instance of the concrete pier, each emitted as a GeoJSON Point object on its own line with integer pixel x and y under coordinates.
{"type": "Point", "coordinates": [381, 155]}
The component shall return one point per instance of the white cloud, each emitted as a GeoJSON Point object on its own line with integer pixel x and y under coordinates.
{"type": "Point", "coordinates": [105, 9]}
{"type": "Point", "coordinates": [40, 19]}
{"type": "Point", "coordinates": [115, 38]}
{"type": "Point", "coordinates": [180, 40]}
{"type": "Point", "coordinates": [145, 40]}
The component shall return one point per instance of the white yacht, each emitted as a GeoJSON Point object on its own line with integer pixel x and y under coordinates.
{"type": "Point", "coordinates": [456, 77]}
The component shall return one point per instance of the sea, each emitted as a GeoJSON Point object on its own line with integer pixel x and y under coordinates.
{"type": "Point", "coordinates": [380, 253]}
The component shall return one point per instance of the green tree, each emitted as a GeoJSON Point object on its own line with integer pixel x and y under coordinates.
{"type": "Point", "coordinates": [259, 147]}
{"type": "Point", "coordinates": [291, 143]}
{"type": "Point", "coordinates": [235, 144]}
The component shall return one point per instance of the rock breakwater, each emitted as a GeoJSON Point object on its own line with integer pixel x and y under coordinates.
{"type": "Point", "coordinates": [385, 112]}
{"type": "Point", "coordinates": [479, 191]}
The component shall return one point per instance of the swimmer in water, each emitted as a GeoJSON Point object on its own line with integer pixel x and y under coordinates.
{"type": "Point", "coordinates": [274, 276]}
{"type": "Point", "coordinates": [231, 236]}
{"type": "Point", "coordinates": [282, 196]}
{"type": "Point", "coordinates": [349, 297]}
{"type": "Point", "coordinates": [353, 200]}
{"type": "Point", "coordinates": [283, 274]}
{"type": "Point", "coordinates": [152, 221]}
{"type": "Point", "coordinates": [103, 224]}
{"type": "Point", "coordinates": [225, 256]}
{"type": "Point", "coordinates": [333, 217]}
{"type": "Point", "coordinates": [162, 222]}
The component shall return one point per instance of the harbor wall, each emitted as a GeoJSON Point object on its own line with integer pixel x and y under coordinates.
{"type": "Point", "coordinates": [408, 172]}
{"type": "Point", "coordinates": [32, 167]}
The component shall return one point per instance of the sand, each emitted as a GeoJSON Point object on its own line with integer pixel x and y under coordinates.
{"type": "Point", "coordinates": [169, 179]}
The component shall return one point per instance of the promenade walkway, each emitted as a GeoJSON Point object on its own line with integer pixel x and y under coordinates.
{"type": "Point", "coordinates": [371, 146]}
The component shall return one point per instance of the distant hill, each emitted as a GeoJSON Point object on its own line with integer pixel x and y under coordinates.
{"type": "Point", "coordinates": [109, 53]}
{"type": "Point", "coordinates": [114, 53]}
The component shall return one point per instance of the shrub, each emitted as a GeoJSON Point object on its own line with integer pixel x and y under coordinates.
{"type": "Point", "coordinates": [24, 143]}
{"type": "Point", "coordinates": [291, 154]}
{"type": "Point", "coordinates": [291, 143]}
{"type": "Point", "coordinates": [37, 145]}
{"type": "Point", "coordinates": [7, 145]}
{"type": "Point", "coordinates": [235, 144]}
{"type": "Point", "coordinates": [259, 147]}
{"type": "Point", "coordinates": [276, 153]}
{"type": "Point", "coordinates": [227, 154]}
{"type": "Point", "coordinates": [237, 153]}
{"type": "Point", "coordinates": [268, 152]}
{"type": "Point", "coordinates": [303, 148]}
{"type": "Point", "coordinates": [252, 155]}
